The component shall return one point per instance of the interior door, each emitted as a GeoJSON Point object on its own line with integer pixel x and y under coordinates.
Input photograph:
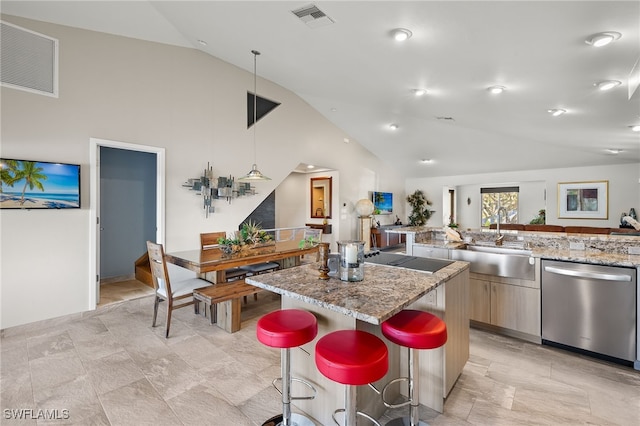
{"type": "Point", "coordinates": [127, 210]}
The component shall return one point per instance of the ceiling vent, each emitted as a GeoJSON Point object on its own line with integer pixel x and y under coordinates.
{"type": "Point", "coordinates": [312, 16]}
{"type": "Point", "coordinates": [29, 61]}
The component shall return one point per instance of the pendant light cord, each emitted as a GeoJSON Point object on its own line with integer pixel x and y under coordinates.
{"type": "Point", "coordinates": [255, 103]}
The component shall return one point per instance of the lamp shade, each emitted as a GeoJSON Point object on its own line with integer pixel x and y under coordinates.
{"type": "Point", "coordinates": [364, 207]}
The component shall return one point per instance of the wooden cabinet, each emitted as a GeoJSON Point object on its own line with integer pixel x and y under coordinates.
{"type": "Point", "coordinates": [480, 300]}
{"type": "Point", "coordinates": [450, 302]}
{"type": "Point", "coordinates": [516, 308]}
{"type": "Point", "coordinates": [381, 238]}
{"type": "Point", "coordinates": [506, 303]}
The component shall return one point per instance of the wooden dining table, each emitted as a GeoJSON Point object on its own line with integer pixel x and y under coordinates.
{"type": "Point", "coordinates": [212, 264]}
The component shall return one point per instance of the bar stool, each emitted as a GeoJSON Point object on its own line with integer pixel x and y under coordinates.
{"type": "Point", "coordinates": [286, 329]}
{"type": "Point", "coordinates": [352, 357]}
{"type": "Point", "coordinates": [414, 330]}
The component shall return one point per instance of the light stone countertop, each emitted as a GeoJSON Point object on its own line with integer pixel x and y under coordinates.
{"type": "Point", "coordinates": [591, 256]}
{"type": "Point", "coordinates": [599, 249]}
{"type": "Point", "coordinates": [385, 290]}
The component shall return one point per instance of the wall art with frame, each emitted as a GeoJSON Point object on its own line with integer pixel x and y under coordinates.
{"type": "Point", "coordinates": [583, 200]}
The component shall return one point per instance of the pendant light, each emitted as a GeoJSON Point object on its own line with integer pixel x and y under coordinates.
{"type": "Point", "coordinates": [254, 174]}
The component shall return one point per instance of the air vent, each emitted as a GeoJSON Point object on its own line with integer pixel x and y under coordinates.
{"type": "Point", "coordinates": [312, 16]}
{"type": "Point", "coordinates": [29, 60]}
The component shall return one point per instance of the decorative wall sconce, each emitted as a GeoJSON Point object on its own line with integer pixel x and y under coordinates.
{"type": "Point", "coordinates": [212, 188]}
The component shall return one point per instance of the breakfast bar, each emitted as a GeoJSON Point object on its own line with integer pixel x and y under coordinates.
{"type": "Point", "coordinates": [364, 305]}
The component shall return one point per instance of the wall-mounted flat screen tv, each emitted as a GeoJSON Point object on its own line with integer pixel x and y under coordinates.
{"type": "Point", "coordinates": [39, 185]}
{"type": "Point", "coordinates": [382, 202]}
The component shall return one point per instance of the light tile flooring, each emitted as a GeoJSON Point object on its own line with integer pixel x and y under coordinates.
{"type": "Point", "coordinates": [109, 367]}
{"type": "Point", "coordinates": [122, 290]}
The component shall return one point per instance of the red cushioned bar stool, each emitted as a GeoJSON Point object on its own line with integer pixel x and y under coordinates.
{"type": "Point", "coordinates": [353, 358]}
{"type": "Point", "coordinates": [286, 329]}
{"type": "Point", "coordinates": [414, 330]}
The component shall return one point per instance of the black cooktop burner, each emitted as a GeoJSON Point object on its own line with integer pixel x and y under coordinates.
{"type": "Point", "coordinates": [426, 264]}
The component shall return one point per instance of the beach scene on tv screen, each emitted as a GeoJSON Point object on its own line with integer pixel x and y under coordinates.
{"type": "Point", "coordinates": [38, 185]}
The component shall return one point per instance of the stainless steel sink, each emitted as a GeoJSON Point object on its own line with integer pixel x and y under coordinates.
{"type": "Point", "coordinates": [498, 261]}
{"type": "Point", "coordinates": [500, 250]}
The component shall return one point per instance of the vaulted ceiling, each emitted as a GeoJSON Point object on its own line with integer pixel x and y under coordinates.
{"type": "Point", "coordinates": [348, 67]}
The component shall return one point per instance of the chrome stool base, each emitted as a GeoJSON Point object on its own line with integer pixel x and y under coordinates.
{"type": "Point", "coordinates": [404, 421]}
{"type": "Point", "coordinates": [296, 420]}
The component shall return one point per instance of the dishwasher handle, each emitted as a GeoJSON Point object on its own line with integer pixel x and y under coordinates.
{"type": "Point", "coordinates": [587, 274]}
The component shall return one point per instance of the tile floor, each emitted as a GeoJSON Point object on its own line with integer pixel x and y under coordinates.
{"type": "Point", "coordinates": [122, 290]}
{"type": "Point", "coordinates": [109, 367]}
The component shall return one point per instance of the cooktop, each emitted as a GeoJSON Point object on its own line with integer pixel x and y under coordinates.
{"type": "Point", "coordinates": [425, 264]}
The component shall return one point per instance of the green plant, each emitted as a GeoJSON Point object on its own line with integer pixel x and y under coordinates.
{"type": "Point", "coordinates": [541, 219]}
{"type": "Point", "coordinates": [420, 212]}
{"type": "Point", "coordinates": [250, 233]}
{"type": "Point", "coordinates": [310, 241]}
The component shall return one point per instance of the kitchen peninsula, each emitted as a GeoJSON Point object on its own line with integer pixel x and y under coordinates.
{"type": "Point", "coordinates": [364, 305]}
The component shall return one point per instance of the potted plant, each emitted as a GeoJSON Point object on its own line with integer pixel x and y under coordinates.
{"type": "Point", "coordinates": [541, 219]}
{"type": "Point", "coordinates": [250, 235]}
{"type": "Point", "coordinates": [420, 212]}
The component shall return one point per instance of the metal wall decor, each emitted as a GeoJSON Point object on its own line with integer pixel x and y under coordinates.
{"type": "Point", "coordinates": [212, 188]}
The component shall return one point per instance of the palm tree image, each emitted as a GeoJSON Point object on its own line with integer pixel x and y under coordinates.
{"type": "Point", "coordinates": [22, 185]}
{"type": "Point", "coordinates": [8, 170]}
{"type": "Point", "coordinates": [32, 176]}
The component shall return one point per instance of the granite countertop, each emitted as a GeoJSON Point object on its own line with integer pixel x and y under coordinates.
{"type": "Point", "coordinates": [385, 290]}
{"type": "Point", "coordinates": [583, 256]}
{"type": "Point", "coordinates": [592, 257]}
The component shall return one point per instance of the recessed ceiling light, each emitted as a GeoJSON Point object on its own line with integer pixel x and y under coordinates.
{"type": "Point", "coordinates": [401, 34]}
{"type": "Point", "coordinates": [613, 151]}
{"type": "Point", "coordinates": [310, 166]}
{"type": "Point", "coordinates": [496, 89]}
{"type": "Point", "coordinates": [556, 112]}
{"type": "Point", "coordinates": [635, 128]}
{"type": "Point", "coordinates": [607, 84]}
{"type": "Point", "coordinates": [426, 161]}
{"type": "Point", "coordinates": [419, 92]}
{"type": "Point", "coordinates": [346, 140]}
{"type": "Point", "coordinates": [602, 39]}
{"type": "Point", "coordinates": [393, 126]}
{"type": "Point", "coordinates": [202, 42]}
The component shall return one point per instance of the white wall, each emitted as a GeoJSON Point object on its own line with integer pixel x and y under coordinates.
{"type": "Point", "coordinates": [189, 103]}
{"type": "Point", "coordinates": [624, 192]}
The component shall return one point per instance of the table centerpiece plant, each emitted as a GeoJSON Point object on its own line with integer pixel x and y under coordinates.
{"type": "Point", "coordinates": [310, 241]}
{"type": "Point", "coordinates": [251, 235]}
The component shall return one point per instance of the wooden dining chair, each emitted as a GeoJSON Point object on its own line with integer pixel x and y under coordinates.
{"type": "Point", "coordinates": [167, 290]}
{"type": "Point", "coordinates": [209, 240]}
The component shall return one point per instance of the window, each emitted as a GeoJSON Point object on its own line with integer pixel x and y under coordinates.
{"type": "Point", "coordinates": [495, 198]}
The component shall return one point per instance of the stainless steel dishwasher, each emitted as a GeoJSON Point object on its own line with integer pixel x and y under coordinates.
{"type": "Point", "coordinates": [590, 307]}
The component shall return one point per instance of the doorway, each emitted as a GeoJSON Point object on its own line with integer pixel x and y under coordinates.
{"type": "Point", "coordinates": [96, 201]}
{"type": "Point", "coordinates": [448, 206]}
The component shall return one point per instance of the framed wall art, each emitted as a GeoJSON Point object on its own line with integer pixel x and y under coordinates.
{"type": "Point", "coordinates": [583, 200]}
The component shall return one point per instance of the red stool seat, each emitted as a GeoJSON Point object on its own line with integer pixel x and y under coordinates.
{"type": "Point", "coordinates": [287, 328]}
{"type": "Point", "coordinates": [415, 329]}
{"type": "Point", "coordinates": [352, 357]}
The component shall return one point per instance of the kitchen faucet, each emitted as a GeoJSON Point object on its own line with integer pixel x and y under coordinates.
{"type": "Point", "coordinates": [499, 237]}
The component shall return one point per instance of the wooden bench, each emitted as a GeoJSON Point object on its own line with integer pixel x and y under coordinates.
{"type": "Point", "coordinates": [225, 292]}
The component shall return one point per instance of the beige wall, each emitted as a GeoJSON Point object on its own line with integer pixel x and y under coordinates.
{"type": "Point", "coordinates": [189, 103]}
{"type": "Point", "coordinates": [624, 192]}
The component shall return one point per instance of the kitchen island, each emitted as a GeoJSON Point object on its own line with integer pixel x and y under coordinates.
{"type": "Point", "coordinates": [364, 305]}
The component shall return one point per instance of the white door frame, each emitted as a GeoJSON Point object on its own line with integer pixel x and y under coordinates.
{"type": "Point", "coordinates": [94, 204]}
